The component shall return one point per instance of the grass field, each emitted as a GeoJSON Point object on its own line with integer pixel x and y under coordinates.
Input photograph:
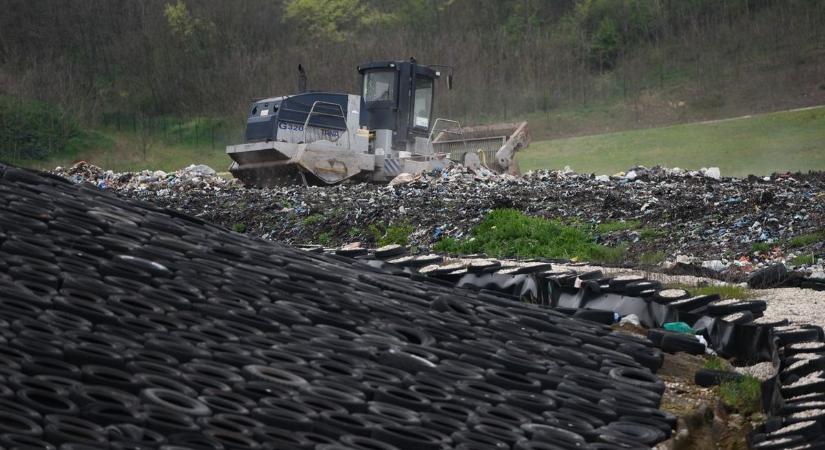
{"type": "Point", "coordinates": [760, 144]}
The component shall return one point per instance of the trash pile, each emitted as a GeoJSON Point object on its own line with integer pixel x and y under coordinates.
{"type": "Point", "coordinates": [724, 225]}
{"type": "Point", "coordinates": [192, 178]}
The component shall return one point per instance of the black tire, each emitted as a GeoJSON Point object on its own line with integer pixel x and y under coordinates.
{"type": "Point", "coordinates": [641, 379]}
{"type": "Point", "coordinates": [174, 401]}
{"type": "Point", "coordinates": [631, 432]}
{"type": "Point", "coordinates": [619, 283]}
{"type": "Point", "coordinates": [708, 377]}
{"type": "Point", "coordinates": [691, 303]}
{"type": "Point", "coordinates": [46, 402]}
{"type": "Point", "coordinates": [24, 442]}
{"type": "Point", "coordinates": [595, 315]}
{"type": "Point", "coordinates": [85, 395]}
{"type": "Point", "coordinates": [724, 308]}
{"type": "Point", "coordinates": [639, 288]}
{"type": "Point", "coordinates": [18, 424]}
{"type": "Point", "coordinates": [793, 335]}
{"type": "Point", "coordinates": [61, 429]}
{"type": "Point", "coordinates": [402, 397]}
{"type": "Point", "coordinates": [473, 440]}
{"type": "Point", "coordinates": [390, 251]}
{"type": "Point", "coordinates": [194, 441]}
{"type": "Point", "coordinates": [666, 296]}
{"type": "Point", "coordinates": [108, 414]}
{"type": "Point", "coordinates": [285, 414]}
{"type": "Point", "coordinates": [442, 423]}
{"type": "Point", "coordinates": [779, 443]}
{"type": "Point", "coordinates": [133, 436]}
{"type": "Point", "coordinates": [740, 317]}
{"type": "Point", "coordinates": [674, 343]}
{"type": "Point", "coordinates": [232, 440]}
{"type": "Point", "coordinates": [167, 422]}
{"type": "Point", "coordinates": [274, 375]}
{"type": "Point", "coordinates": [551, 433]}
{"type": "Point", "coordinates": [409, 437]}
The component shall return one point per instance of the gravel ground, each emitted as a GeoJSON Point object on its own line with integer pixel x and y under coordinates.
{"type": "Point", "coordinates": [799, 306]}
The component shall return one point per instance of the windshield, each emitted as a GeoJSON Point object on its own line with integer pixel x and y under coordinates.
{"type": "Point", "coordinates": [379, 86]}
{"type": "Point", "coordinates": [423, 102]}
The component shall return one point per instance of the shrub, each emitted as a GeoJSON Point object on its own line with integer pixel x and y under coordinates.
{"type": "Point", "coordinates": [35, 130]}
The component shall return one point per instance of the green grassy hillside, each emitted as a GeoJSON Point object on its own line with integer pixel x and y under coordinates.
{"type": "Point", "coordinates": [760, 144]}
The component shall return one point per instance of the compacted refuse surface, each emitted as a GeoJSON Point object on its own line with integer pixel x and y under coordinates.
{"type": "Point", "coordinates": [726, 226]}
{"type": "Point", "coordinates": [127, 326]}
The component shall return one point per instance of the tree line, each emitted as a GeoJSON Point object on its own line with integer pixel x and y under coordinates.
{"type": "Point", "coordinates": [151, 58]}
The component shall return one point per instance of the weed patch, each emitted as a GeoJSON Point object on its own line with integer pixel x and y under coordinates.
{"type": "Point", "coordinates": [804, 240]}
{"type": "Point", "coordinates": [618, 225]}
{"type": "Point", "coordinates": [651, 258]}
{"type": "Point", "coordinates": [392, 234]}
{"type": "Point", "coordinates": [802, 260]}
{"type": "Point", "coordinates": [716, 363]}
{"type": "Point", "coordinates": [510, 233]}
{"type": "Point", "coordinates": [760, 247]}
{"type": "Point", "coordinates": [313, 219]}
{"type": "Point", "coordinates": [743, 396]}
{"type": "Point", "coordinates": [724, 291]}
{"type": "Point", "coordinates": [647, 234]}
{"type": "Point", "coordinates": [324, 238]}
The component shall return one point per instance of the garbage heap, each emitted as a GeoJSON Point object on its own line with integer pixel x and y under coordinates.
{"type": "Point", "coordinates": [694, 217]}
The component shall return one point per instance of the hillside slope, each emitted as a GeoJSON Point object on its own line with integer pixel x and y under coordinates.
{"type": "Point", "coordinates": [761, 144]}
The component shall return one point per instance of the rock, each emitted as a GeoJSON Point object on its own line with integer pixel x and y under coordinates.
{"type": "Point", "coordinates": [602, 178]}
{"type": "Point", "coordinates": [714, 173]}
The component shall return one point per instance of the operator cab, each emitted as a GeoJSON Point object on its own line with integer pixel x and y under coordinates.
{"type": "Point", "coordinates": [397, 102]}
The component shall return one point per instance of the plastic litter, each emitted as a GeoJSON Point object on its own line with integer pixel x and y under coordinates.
{"type": "Point", "coordinates": [631, 319]}
{"type": "Point", "coordinates": [679, 327]}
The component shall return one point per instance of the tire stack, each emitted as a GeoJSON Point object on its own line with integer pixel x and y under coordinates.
{"type": "Point", "coordinates": [124, 326]}
{"type": "Point", "coordinates": [797, 403]}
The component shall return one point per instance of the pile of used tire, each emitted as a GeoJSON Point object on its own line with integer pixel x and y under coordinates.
{"type": "Point", "coordinates": [125, 326]}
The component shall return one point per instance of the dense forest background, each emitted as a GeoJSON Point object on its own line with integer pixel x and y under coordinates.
{"type": "Point", "coordinates": [661, 61]}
